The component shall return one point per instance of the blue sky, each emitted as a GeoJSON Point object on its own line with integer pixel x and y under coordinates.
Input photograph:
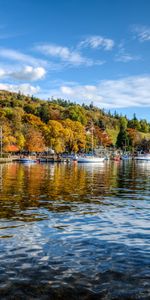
{"type": "Point", "coordinates": [82, 50]}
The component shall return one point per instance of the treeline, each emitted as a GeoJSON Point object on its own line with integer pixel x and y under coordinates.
{"type": "Point", "coordinates": [31, 124]}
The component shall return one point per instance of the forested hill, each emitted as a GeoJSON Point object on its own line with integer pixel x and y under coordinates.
{"type": "Point", "coordinates": [29, 123]}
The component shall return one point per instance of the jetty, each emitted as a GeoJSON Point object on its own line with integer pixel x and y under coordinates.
{"type": "Point", "coordinates": [5, 159]}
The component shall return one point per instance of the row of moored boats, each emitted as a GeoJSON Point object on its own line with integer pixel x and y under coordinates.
{"type": "Point", "coordinates": [87, 158]}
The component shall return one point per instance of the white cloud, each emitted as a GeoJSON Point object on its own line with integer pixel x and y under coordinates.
{"type": "Point", "coordinates": [124, 56]}
{"type": "Point", "coordinates": [67, 90]}
{"type": "Point", "coordinates": [21, 57]}
{"type": "Point", "coordinates": [23, 88]}
{"type": "Point", "coordinates": [141, 32]}
{"type": "Point", "coordinates": [29, 73]}
{"type": "Point", "coordinates": [126, 92]}
{"type": "Point", "coordinates": [66, 55]}
{"type": "Point", "coordinates": [97, 42]}
{"type": "Point", "coordinates": [25, 73]}
{"type": "Point", "coordinates": [2, 73]}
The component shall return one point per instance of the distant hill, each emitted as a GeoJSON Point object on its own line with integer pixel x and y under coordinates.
{"type": "Point", "coordinates": [33, 124]}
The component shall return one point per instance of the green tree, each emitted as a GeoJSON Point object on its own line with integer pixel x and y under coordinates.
{"type": "Point", "coordinates": [123, 138]}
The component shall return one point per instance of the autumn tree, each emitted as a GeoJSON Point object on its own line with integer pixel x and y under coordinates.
{"type": "Point", "coordinates": [77, 140]}
{"type": "Point", "coordinates": [32, 120]}
{"type": "Point", "coordinates": [34, 141]}
{"type": "Point", "coordinates": [134, 137]}
{"type": "Point", "coordinates": [55, 136]}
{"type": "Point", "coordinates": [102, 137]}
{"type": "Point", "coordinates": [7, 135]}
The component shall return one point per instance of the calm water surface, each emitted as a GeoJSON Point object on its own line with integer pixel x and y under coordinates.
{"type": "Point", "coordinates": [75, 231]}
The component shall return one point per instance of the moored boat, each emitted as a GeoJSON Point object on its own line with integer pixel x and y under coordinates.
{"type": "Point", "coordinates": [116, 158]}
{"type": "Point", "coordinates": [142, 157]}
{"type": "Point", "coordinates": [125, 157]}
{"type": "Point", "coordinates": [89, 159]}
{"type": "Point", "coordinates": [27, 160]}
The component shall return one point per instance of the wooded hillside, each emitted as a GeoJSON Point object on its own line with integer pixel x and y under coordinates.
{"type": "Point", "coordinates": [31, 124]}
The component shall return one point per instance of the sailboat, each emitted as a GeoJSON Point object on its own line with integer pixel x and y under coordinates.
{"type": "Point", "coordinates": [90, 158]}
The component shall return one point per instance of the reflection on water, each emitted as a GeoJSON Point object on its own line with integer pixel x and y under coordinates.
{"type": "Point", "coordinates": [75, 231]}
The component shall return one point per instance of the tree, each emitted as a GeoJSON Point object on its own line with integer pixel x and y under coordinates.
{"type": "Point", "coordinates": [8, 137]}
{"type": "Point", "coordinates": [34, 141]}
{"type": "Point", "coordinates": [78, 140]}
{"type": "Point", "coordinates": [20, 140]}
{"type": "Point", "coordinates": [144, 126]}
{"type": "Point", "coordinates": [134, 137]}
{"type": "Point", "coordinates": [123, 138]}
{"type": "Point", "coordinates": [55, 136]}
{"type": "Point", "coordinates": [76, 113]}
{"type": "Point", "coordinates": [102, 137]}
{"type": "Point", "coordinates": [123, 122]}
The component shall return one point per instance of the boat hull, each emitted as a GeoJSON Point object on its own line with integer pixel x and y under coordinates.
{"type": "Point", "coordinates": [90, 159]}
{"type": "Point", "coordinates": [26, 161]}
{"type": "Point", "coordinates": [142, 158]}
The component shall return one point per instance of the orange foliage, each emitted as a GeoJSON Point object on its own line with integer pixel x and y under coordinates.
{"type": "Point", "coordinates": [102, 136]}
{"type": "Point", "coordinates": [34, 141]}
{"type": "Point", "coordinates": [11, 148]}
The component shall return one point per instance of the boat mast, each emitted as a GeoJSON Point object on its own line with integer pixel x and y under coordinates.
{"type": "Point", "coordinates": [92, 139]}
{"type": "Point", "coordinates": [1, 141]}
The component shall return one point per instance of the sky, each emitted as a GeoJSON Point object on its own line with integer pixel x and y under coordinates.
{"type": "Point", "coordinates": [80, 50]}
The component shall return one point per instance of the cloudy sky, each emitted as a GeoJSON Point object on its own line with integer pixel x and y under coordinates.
{"type": "Point", "coordinates": [81, 50]}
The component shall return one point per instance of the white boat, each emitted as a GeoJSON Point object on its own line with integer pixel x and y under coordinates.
{"type": "Point", "coordinates": [89, 159]}
{"type": "Point", "coordinates": [143, 157]}
{"type": "Point", "coordinates": [27, 160]}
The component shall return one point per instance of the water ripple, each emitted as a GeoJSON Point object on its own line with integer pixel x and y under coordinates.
{"type": "Point", "coordinates": [75, 232]}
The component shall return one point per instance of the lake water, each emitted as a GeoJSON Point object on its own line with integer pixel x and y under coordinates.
{"type": "Point", "coordinates": [75, 231]}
